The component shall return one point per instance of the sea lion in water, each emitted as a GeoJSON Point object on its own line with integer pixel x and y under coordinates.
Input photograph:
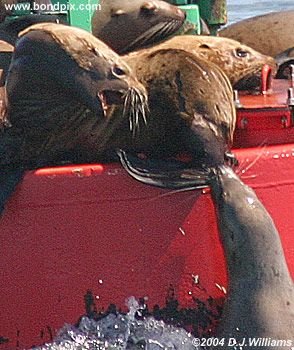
{"type": "Point", "coordinates": [269, 34]}
{"type": "Point", "coordinates": [284, 61]}
{"type": "Point", "coordinates": [260, 302]}
{"type": "Point", "coordinates": [128, 25]}
{"type": "Point", "coordinates": [60, 85]}
{"type": "Point", "coordinates": [191, 110]}
{"type": "Point", "coordinates": [240, 63]}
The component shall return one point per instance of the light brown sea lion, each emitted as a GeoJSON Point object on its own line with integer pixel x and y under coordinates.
{"type": "Point", "coordinates": [240, 63]}
{"type": "Point", "coordinates": [61, 85]}
{"type": "Point", "coordinates": [269, 34]}
{"type": "Point", "coordinates": [191, 110]}
{"type": "Point", "coordinates": [260, 304]}
{"type": "Point", "coordinates": [127, 25]}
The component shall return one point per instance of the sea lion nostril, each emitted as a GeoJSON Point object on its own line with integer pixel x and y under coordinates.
{"type": "Point", "coordinates": [149, 8]}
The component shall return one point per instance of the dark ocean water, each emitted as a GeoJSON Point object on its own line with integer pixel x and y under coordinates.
{"type": "Point", "coordinates": [240, 9]}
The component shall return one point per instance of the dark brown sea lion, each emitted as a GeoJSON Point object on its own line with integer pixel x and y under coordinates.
{"type": "Point", "coordinates": [191, 110]}
{"type": "Point", "coordinates": [260, 302]}
{"type": "Point", "coordinates": [284, 61]}
{"type": "Point", "coordinates": [9, 31]}
{"type": "Point", "coordinates": [269, 34]}
{"type": "Point", "coordinates": [127, 25]}
{"type": "Point", "coordinates": [61, 84]}
{"type": "Point", "coordinates": [240, 63]}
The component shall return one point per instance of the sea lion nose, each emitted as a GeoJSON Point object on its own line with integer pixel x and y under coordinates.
{"type": "Point", "coordinates": [181, 13]}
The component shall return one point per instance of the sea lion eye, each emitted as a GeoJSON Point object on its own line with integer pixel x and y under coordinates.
{"type": "Point", "coordinates": [118, 72]}
{"type": "Point", "coordinates": [149, 8]}
{"type": "Point", "coordinates": [241, 53]}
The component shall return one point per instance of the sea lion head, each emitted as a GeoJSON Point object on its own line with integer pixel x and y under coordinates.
{"type": "Point", "coordinates": [77, 62]}
{"type": "Point", "coordinates": [240, 63]}
{"type": "Point", "coordinates": [62, 87]}
{"type": "Point", "coordinates": [284, 61]}
{"type": "Point", "coordinates": [127, 25]}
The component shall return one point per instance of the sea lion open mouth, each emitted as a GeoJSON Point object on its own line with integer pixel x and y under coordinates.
{"type": "Point", "coordinates": [62, 88]}
{"type": "Point", "coordinates": [240, 63]}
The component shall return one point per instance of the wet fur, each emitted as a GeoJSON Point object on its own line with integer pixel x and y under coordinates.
{"type": "Point", "coordinates": [260, 294]}
{"type": "Point", "coordinates": [239, 62]}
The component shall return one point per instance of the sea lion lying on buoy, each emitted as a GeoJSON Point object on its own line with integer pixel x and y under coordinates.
{"type": "Point", "coordinates": [284, 61]}
{"type": "Point", "coordinates": [191, 110]}
{"type": "Point", "coordinates": [269, 34]}
{"type": "Point", "coordinates": [61, 85]}
{"type": "Point", "coordinates": [9, 31]}
{"type": "Point", "coordinates": [240, 63]}
{"type": "Point", "coordinates": [128, 25]}
{"type": "Point", "coordinates": [260, 301]}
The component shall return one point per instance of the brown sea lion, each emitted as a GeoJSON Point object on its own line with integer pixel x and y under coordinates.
{"type": "Point", "coordinates": [269, 34]}
{"type": "Point", "coordinates": [260, 301]}
{"type": "Point", "coordinates": [240, 63]}
{"type": "Point", "coordinates": [9, 31]}
{"type": "Point", "coordinates": [127, 25]}
{"type": "Point", "coordinates": [284, 61]}
{"type": "Point", "coordinates": [61, 85]}
{"type": "Point", "coordinates": [191, 110]}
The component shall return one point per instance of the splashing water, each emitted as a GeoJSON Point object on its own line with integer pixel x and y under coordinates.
{"type": "Point", "coordinates": [122, 332]}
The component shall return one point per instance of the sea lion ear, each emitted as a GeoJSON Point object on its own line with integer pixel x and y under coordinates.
{"type": "Point", "coordinates": [149, 7]}
{"type": "Point", "coordinates": [117, 12]}
{"type": "Point", "coordinates": [204, 46]}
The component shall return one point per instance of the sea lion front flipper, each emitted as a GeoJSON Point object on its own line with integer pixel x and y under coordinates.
{"type": "Point", "coordinates": [162, 173]}
{"type": "Point", "coordinates": [8, 182]}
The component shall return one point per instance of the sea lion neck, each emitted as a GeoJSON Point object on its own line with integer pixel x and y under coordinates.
{"type": "Point", "coordinates": [246, 229]}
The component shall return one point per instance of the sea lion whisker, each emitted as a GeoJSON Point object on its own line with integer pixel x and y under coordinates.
{"type": "Point", "coordinates": [152, 35]}
{"type": "Point", "coordinates": [240, 170]}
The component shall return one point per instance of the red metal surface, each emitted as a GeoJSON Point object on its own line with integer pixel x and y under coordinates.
{"type": "Point", "coordinates": [91, 227]}
{"type": "Point", "coordinates": [265, 119]}
{"type": "Point", "coordinates": [64, 233]}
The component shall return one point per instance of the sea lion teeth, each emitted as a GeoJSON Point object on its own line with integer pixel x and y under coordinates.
{"type": "Point", "coordinates": [261, 291]}
{"type": "Point", "coordinates": [61, 83]}
{"type": "Point", "coordinates": [127, 25]}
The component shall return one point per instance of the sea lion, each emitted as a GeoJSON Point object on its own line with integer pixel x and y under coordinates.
{"type": "Point", "coordinates": [260, 301]}
{"type": "Point", "coordinates": [9, 31]}
{"type": "Point", "coordinates": [269, 34]}
{"type": "Point", "coordinates": [191, 110]}
{"type": "Point", "coordinates": [128, 25]}
{"type": "Point", "coordinates": [284, 61]}
{"type": "Point", "coordinates": [240, 63]}
{"type": "Point", "coordinates": [60, 87]}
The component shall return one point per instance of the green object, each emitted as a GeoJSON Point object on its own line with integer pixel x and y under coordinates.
{"type": "Point", "coordinates": [80, 13]}
{"type": "Point", "coordinates": [193, 16]}
{"type": "Point", "coordinates": [214, 13]}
